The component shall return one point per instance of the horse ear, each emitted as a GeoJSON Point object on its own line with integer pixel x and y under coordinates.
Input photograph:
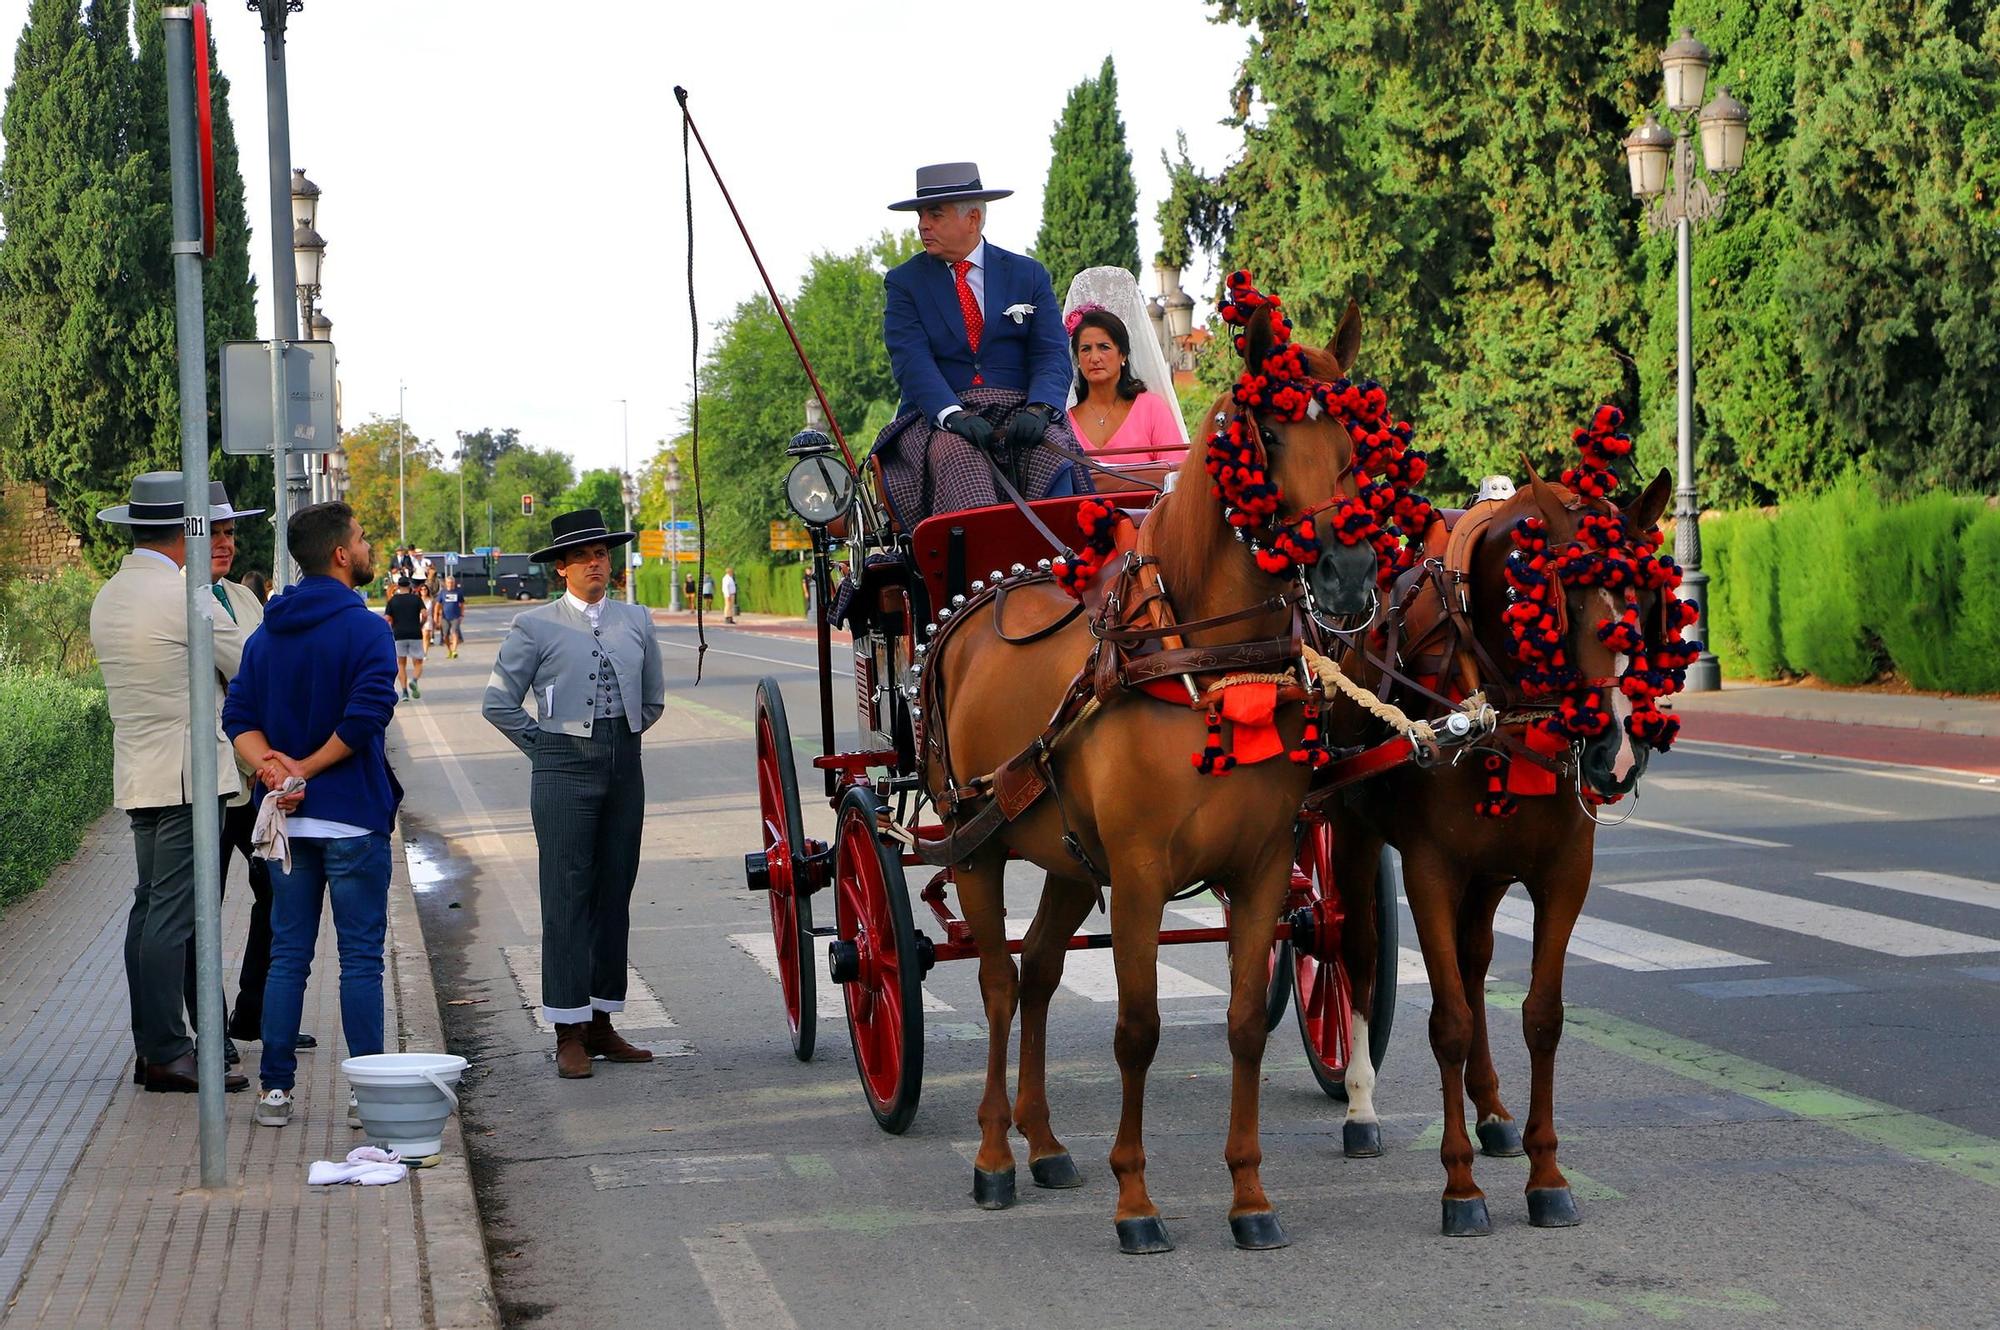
{"type": "Point", "coordinates": [1257, 340]}
{"type": "Point", "coordinates": [1346, 344]}
{"type": "Point", "coordinates": [1545, 498]}
{"type": "Point", "coordinates": [1644, 512]}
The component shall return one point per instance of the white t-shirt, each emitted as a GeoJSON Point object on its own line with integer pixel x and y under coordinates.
{"type": "Point", "coordinates": [729, 584]}
{"type": "Point", "coordinates": [423, 570]}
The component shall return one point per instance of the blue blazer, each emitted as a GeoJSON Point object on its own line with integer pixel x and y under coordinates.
{"type": "Point", "coordinates": [925, 333]}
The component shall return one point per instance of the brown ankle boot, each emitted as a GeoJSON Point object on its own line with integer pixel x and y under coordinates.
{"type": "Point", "coordinates": [600, 1040]}
{"type": "Point", "coordinates": [572, 1057]}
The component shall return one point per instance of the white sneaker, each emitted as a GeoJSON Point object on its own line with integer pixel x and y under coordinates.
{"type": "Point", "coordinates": [354, 1112]}
{"type": "Point", "coordinates": [274, 1108]}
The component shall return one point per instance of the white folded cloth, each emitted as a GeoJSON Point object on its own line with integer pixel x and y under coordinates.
{"type": "Point", "coordinates": [366, 1165]}
{"type": "Point", "coordinates": [268, 837]}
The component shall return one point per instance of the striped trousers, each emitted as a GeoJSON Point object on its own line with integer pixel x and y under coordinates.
{"type": "Point", "coordinates": [588, 801]}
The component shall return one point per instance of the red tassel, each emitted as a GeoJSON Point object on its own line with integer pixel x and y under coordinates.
{"type": "Point", "coordinates": [1212, 760]}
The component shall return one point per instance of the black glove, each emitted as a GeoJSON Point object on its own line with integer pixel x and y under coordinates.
{"type": "Point", "coordinates": [971, 427]}
{"type": "Point", "coordinates": [1028, 426]}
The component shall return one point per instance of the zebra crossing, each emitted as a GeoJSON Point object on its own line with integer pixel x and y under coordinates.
{"type": "Point", "coordinates": [1698, 902]}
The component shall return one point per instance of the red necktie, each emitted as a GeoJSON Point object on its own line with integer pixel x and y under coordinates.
{"type": "Point", "coordinates": [968, 305]}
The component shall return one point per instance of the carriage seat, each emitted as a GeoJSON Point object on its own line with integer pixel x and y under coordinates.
{"type": "Point", "coordinates": [952, 550]}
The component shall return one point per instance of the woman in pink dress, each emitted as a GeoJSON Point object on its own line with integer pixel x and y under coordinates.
{"type": "Point", "coordinates": [1115, 410]}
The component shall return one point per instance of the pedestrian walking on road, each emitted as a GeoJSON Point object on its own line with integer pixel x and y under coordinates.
{"type": "Point", "coordinates": [312, 700]}
{"type": "Point", "coordinates": [451, 613]}
{"type": "Point", "coordinates": [405, 612]}
{"type": "Point", "coordinates": [593, 666]}
{"type": "Point", "coordinates": [244, 610]}
{"type": "Point", "coordinates": [138, 628]}
{"type": "Point", "coordinates": [729, 595]}
{"type": "Point", "coordinates": [708, 591]}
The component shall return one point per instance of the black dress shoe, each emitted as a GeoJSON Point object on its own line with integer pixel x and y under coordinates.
{"type": "Point", "coordinates": [230, 1057]}
{"type": "Point", "coordinates": [306, 1041]}
{"type": "Point", "coordinates": [237, 1029]}
{"type": "Point", "coordinates": [180, 1077]}
{"type": "Point", "coordinates": [138, 1071]}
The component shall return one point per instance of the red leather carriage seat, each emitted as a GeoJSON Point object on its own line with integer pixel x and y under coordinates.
{"type": "Point", "coordinates": [997, 537]}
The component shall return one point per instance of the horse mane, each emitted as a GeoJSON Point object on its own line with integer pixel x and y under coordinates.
{"type": "Point", "coordinates": [1189, 534]}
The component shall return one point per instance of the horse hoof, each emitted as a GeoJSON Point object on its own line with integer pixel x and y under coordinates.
{"type": "Point", "coordinates": [1552, 1207]}
{"type": "Point", "coordinates": [1146, 1236]}
{"type": "Point", "coordinates": [1258, 1231]}
{"type": "Point", "coordinates": [1500, 1138]}
{"type": "Point", "coordinates": [1467, 1218]}
{"type": "Point", "coordinates": [1360, 1140]}
{"type": "Point", "coordinates": [1056, 1172]}
{"type": "Point", "coordinates": [994, 1190]}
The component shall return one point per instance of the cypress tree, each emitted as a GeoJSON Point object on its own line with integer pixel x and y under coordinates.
{"type": "Point", "coordinates": [1090, 203]}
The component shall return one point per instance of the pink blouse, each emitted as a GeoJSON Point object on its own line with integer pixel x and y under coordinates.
{"type": "Point", "coordinates": [1149, 425]}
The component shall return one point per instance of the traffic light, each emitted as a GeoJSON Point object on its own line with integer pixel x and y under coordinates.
{"type": "Point", "coordinates": [527, 505]}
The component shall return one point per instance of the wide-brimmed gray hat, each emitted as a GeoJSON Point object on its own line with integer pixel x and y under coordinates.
{"type": "Point", "coordinates": [948, 182]}
{"type": "Point", "coordinates": [156, 501]}
{"type": "Point", "coordinates": [220, 509]}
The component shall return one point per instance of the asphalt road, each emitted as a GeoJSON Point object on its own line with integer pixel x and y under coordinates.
{"type": "Point", "coordinates": [1775, 1092]}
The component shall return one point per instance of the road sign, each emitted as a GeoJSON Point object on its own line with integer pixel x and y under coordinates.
{"type": "Point", "coordinates": [527, 505]}
{"type": "Point", "coordinates": [688, 556]}
{"type": "Point", "coordinates": [790, 536]}
{"type": "Point", "coordinates": [677, 526]}
{"type": "Point", "coordinates": [246, 398]}
{"type": "Point", "coordinates": [653, 544]}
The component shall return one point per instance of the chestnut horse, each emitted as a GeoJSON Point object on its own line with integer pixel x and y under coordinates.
{"type": "Point", "coordinates": [1125, 801]}
{"type": "Point", "coordinates": [1457, 864]}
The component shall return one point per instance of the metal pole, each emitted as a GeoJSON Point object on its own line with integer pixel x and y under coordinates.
{"type": "Point", "coordinates": [192, 345]}
{"type": "Point", "coordinates": [284, 274]}
{"type": "Point", "coordinates": [674, 561]}
{"type": "Point", "coordinates": [1705, 674]}
{"type": "Point", "coordinates": [461, 491]}
{"type": "Point", "coordinates": [402, 447]}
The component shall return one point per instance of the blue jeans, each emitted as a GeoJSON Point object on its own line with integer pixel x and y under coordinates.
{"type": "Point", "coordinates": [354, 871]}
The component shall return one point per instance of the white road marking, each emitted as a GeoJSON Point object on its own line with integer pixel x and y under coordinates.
{"type": "Point", "coordinates": [1410, 971]}
{"type": "Point", "coordinates": [1616, 944]}
{"type": "Point", "coordinates": [737, 1282]}
{"type": "Point", "coordinates": [478, 822]}
{"type": "Point", "coordinates": [643, 1008]}
{"type": "Point", "coordinates": [1848, 766]}
{"type": "Point", "coordinates": [827, 1001]}
{"type": "Point", "coordinates": [812, 667]}
{"type": "Point", "coordinates": [1747, 790]}
{"type": "Point", "coordinates": [1938, 886]}
{"type": "Point", "coordinates": [1834, 923]}
{"type": "Point", "coordinates": [1090, 974]}
{"type": "Point", "coordinates": [1752, 841]}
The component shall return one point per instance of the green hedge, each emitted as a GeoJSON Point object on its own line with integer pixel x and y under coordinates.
{"type": "Point", "coordinates": [55, 764]}
{"type": "Point", "coordinates": [1845, 586]}
{"type": "Point", "coordinates": [761, 588]}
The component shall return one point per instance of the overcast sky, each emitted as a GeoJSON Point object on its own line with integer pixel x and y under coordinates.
{"type": "Point", "coordinates": [503, 200]}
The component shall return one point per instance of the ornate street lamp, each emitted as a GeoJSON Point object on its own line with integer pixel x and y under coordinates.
{"type": "Point", "coordinates": [305, 198]}
{"type": "Point", "coordinates": [1678, 202]}
{"type": "Point", "coordinates": [673, 487]}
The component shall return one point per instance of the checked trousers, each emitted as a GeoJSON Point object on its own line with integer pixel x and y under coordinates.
{"type": "Point", "coordinates": [588, 801]}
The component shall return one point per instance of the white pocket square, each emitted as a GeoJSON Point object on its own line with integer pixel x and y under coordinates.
{"type": "Point", "coordinates": [1018, 313]}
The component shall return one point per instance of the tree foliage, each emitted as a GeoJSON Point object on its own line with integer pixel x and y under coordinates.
{"type": "Point", "coordinates": [1090, 203]}
{"type": "Point", "coordinates": [88, 374]}
{"type": "Point", "coordinates": [1457, 170]}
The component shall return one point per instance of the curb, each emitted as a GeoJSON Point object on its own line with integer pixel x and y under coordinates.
{"type": "Point", "coordinates": [451, 1245]}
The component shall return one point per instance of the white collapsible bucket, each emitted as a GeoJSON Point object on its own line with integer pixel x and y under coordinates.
{"type": "Point", "coordinates": [404, 1098]}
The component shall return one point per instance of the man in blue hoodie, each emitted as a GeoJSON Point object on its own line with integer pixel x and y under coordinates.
{"type": "Point", "coordinates": [315, 693]}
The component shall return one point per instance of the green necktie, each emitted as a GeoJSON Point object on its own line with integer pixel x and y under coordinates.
{"type": "Point", "coordinates": [222, 596]}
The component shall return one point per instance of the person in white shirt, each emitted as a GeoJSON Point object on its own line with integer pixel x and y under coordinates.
{"type": "Point", "coordinates": [729, 595]}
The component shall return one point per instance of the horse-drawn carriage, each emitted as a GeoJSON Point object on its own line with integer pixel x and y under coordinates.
{"type": "Point", "coordinates": [1062, 681]}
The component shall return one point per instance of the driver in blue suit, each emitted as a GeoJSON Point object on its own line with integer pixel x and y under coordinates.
{"type": "Point", "coordinates": [976, 341]}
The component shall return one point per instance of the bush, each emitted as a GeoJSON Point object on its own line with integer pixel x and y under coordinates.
{"type": "Point", "coordinates": [1718, 554]}
{"type": "Point", "coordinates": [45, 625]}
{"type": "Point", "coordinates": [760, 588]}
{"type": "Point", "coordinates": [1907, 563]}
{"type": "Point", "coordinates": [1818, 588]}
{"type": "Point", "coordinates": [1978, 628]}
{"type": "Point", "coordinates": [55, 762]}
{"type": "Point", "coordinates": [1754, 591]}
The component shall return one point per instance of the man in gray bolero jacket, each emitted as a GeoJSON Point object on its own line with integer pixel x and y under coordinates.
{"type": "Point", "coordinates": [593, 667]}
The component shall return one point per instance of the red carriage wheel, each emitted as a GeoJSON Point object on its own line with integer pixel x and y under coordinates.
{"type": "Point", "coordinates": [1324, 992]}
{"type": "Point", "coordinates": [784, 854]}
{"type": "Point", "coordinates": [878, 963]}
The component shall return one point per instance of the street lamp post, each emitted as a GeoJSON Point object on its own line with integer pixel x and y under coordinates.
{"type": "Point", "coordinates": [625, 491]}
{"type": "Point", "coordinates": [309, 259]}
{"type": "Point", "coordinates": [1678, 204]}
{"type": "Point", "coordinates": [285, 464]}
{"type": "Point", "coordinates": [402, 505]}
{"type": "Point", "coordinates": [461, 491]}
{"type": "Point", "coordinates": [673, 534]}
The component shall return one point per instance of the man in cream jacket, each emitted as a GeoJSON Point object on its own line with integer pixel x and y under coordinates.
{"type": "Point", "coordinates": [138, 627]}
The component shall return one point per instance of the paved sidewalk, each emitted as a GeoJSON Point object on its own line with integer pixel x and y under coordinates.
{"type": "Point", "coordinates": [102, 1219]}
{"type": "Point", "coordinates": [1848, 706]}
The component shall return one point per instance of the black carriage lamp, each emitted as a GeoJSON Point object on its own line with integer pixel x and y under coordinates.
{"type": "Point", "coordinates": [820, 485]}
{"type": "Point", "coordinates": [1659, 155]}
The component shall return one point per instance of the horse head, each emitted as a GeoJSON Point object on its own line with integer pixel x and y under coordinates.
{"type": "Point", "coordinates": [1275, 469]}
{"type": "Point", "coordinates": [1605, 619]}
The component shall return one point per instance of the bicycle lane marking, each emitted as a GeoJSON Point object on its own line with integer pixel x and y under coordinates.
{"type": "Point", "coordinates": [1925, 1139]}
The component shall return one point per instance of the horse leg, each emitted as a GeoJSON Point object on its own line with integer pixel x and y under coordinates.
{"type": "Point", "coordinates": [1065, 905]}
{"type": "Point", "coordinates": [1558, 893]}
{"type": "Point", "coordinates": [1253, 920]}
{"type": "Point", "coordinates": [1434, 890]}
{"type": "Point", "coordinates": [1498, 1134]}
{"type": "Point", "coordinates": [1355, 859]}
{"type": "Point", "coordinates": [981, 902]}
{"type": "Point", "coordinates": [1136, 908]}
